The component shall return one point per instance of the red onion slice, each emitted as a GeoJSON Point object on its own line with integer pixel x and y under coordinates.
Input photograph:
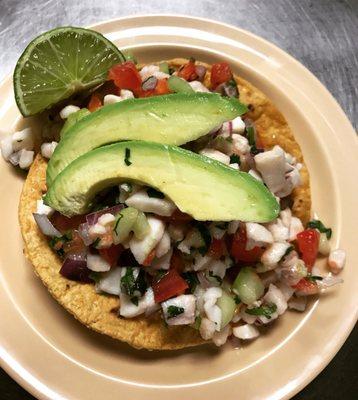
{"type": "Point", "coordinates": [75, 268]}
{"type": "Point", "coordinates": [150, 83]}
{"type": "Point", "coordinates": [93, 217]}
{"type": "Point", "coordinates": [83, 231]}
{"type": "Point", "coordinates": [200, 71]}
{"type": "Point", "coordinates": [46, 226]}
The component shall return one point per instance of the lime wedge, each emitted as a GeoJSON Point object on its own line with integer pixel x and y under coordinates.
{"type": "Point", "coordinates": [59, 63]}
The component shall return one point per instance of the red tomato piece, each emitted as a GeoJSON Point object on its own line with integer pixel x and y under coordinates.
{"type": "Point", "coordinates": [217, 248]}
{"type": "Point", "coordinates": [238, 248]}
{"type": "Point", "coordinates": [188, 72]}
{"type": "Point", "coordinates": [95, 103]}
{"type": "Point", "coordinates": [170, 285]}
{"type": "Point", "coordinates": [64, 224]}
{"type": "Point", "coordinates": [308, 242]}
{"type": "Point", "coordinates": [306, 287]}
{"type": "Point", "coordinates": [176, 262]}
{"type": "Point", "coordinates": [111, 254]}
{"type": "Point", "coordinates": [75, 245]}
{"type": "Point", "coordinates": [147, 262]}
{"type": "Point", "coordinates": [220, 73]}
{"type": "Point", "coordinates": [126, 76]}
{"type": "Point", "coordinates": [162, 87]}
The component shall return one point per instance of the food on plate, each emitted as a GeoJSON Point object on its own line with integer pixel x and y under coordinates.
{"type": "Point", "coordinates": [175, 207]}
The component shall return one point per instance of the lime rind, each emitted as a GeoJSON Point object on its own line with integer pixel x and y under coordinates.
{"type": "Point", "coordinates": [59, 63]}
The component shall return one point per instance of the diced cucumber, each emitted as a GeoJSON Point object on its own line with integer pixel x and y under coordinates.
{"type": "Point", "coordinates": [179, 85]}
{"type": "Point", "coordinates": [141, 226]}
{"type": "Point", "coordinates": [124, 223]}
{"type": "Point", "coordinates": [164, 67]}
{"type": "Point", "coordinates": [228, 306]}
{"type": "Point", "coordinates": [248, 285]}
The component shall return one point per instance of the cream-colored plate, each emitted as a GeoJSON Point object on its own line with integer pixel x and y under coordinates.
{"type": "Point", "coordinates": [55, 357]}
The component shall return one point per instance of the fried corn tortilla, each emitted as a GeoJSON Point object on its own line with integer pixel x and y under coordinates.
{"type": "Point", "coordinates": [100, 312]}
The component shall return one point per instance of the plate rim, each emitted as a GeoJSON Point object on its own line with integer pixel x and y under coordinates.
{"type": "Point", "coordinates": [305, 379]}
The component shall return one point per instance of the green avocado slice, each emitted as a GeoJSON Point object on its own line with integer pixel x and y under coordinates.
{"type": "Point", "coordinates": [204, 188]}
{"type": "Point", "coordinates": [170, 119]}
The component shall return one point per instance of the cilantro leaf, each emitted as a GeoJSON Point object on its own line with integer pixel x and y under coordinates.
{"type": "Point", "coordinates": [127, 156]}
{"type": "Point", "coordinates": [266, 310]}
{"type": "Point", "coordinates": [317, 224]}
{"type": "Point", "coordinates": [174, 311]}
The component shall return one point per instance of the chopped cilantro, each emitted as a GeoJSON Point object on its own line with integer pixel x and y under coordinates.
{"type": "Point", "coordinates": [132, 286]}
{"type": "Point", "coordinates": [95, 276]}
{"type": "Point", "coordinates": [205, 235]}
{"type": "Point", "coordinates": [155, 193]}
{"type": "Point", "coordinates": [237, 299]}
{"type": "Point", "coordinates": [317, 224]}
{"type": "Point", "coordinates": [287, 252]}
{"type": "Point", "coordinates": [211, 274]}
{"type": "Point", "coordinates": [96, 242]}
{"type": "Point", "coordinates": [192, 280]}
{"type": "Point", "coordinates": [235, 159]}
{"type": "Point", "coordinates": [171, 70]}
{"type": "Point", "coordinates": [266, 310]}
{"type": "Point", "coordinates": [250, 132]}
{"type": "Point", "coordinates": [134, 300]}
{"type": "Point", "coordinates": [174, 311]}
{"type": "Point", "coordinates": [197, 323]}
{"type": "Point", "coordinates": [127, 156]}
{"type": "Point", "coordinates": [56, 243]}
{"type": "Point", "coordinates": [314, 278]}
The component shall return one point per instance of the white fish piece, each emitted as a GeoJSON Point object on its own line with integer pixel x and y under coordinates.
{"type": "Point", "coordinates": [42, 208]}
{"type": "Point", "coordinates": [110, 282]}
{"type": "Point", "coordinates": [275, 296]}
{"type": "Point", "coordinates": [220, 338]}
{"type": "Point", "coordinates": [7, 147]}
{"type": "Point", "coordinates": [337, 260]}
{"type": "Point", "coordinates": [68, 110]}
{"type": "Point", "coordinates": [207, 328]}
{"type": "Point", "coordinates": [185, 301]}
{"type": "Point", "coordinates": [213, 312]}
{"type": "Point", "coordinates": [96, 263]}
{"type": "Point", "coordinates": [324, 247]}
{"type": "Point", "coordinates": [216, 155]}
{"type": "Point", "coordinates": [279, 231]}
{"type": "Point", "coordinates": [142, 247]}
{"type": "Point", "coordinates": [198, 87]}
{"type": "Point", "coordinates": [152, 70]}
{"type": "Point", "coordinates": [257, 235]}
{"type": "Point", "coordinates": [246, 332]}
{"type": "Point", "coordinates": [142, 202]}
{"type": "Point", "coordinates": [111, 99]}
{"type": "Point", "coordinates": [201, 262]}
{"type": "Point", "coordinates": [23, 140]}
{"type": "Point", "coordinates": [163, 246]}
{"type": "Point", "coordinates": [238, 126]}
{"type": "Point", "coordinates": [240, 144]}
{"type": "Point", "coordinates": [176, 232]}
{"type": "Point", "coordinates": [274, 253]}
{"type": "Point", "coordinates": [26, 158]}
{"type": "Point", "coordinates": [106, 219]}
{"type": "Point", "coordinates": [126, 94]}
{"type": "Point", "coordinates": [47, 149]}
{"type": "Point", "coordinates": [233, 227]}
{"type": "Point", "coordinates": [272, 166]}
{"type": "Point", "coordinates": [163, 262]}
{"type": "Point", "coordinates": [298, 303]}
{"type": "Point", "coordinates": [255, 174]}
{"type": "Point", "coordinates": [296, 227]}
{"type": "Point", "coordinates": [145, 304]}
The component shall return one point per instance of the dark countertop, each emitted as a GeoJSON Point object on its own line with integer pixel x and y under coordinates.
{"type": "Point", "coordinates": [322, 34]}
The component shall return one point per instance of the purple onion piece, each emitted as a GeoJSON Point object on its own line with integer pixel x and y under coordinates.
{"type": "Point", "coordinates": [93, 217]}
{"type": "Point", "coordinates": [75, 268]}
{"type": "Point", "coordinates": [202, 279]}
{"type": "Point", "coordinates": [150, 83]}
{"type": "Point", "coordinates": [45, 225]}
{"type": "Point", "coordinates": [200, 71]}
{"type": "Point", "coordinates": [227, 89]}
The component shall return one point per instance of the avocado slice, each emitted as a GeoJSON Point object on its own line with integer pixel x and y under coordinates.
{"type": "Point", "coordinates": [170, 119]}
{"type": "Point", "coordinates": [204, 188]}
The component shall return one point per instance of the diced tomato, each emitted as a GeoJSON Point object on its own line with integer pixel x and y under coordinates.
{"type": "Point", "coordinates": [64, 224]}
{"type": "Point", "coordinates": [95, 103]}
{"type": "Point", "coordinates": [238, 248]}
{"type": "Point", "coordinates": [308, 242]}
{"type": "Point", "coordinates": [170, 285]}
{"type": "Point", "coordinates": [176, 262]}
{"type": "Point", "coordinates": [111, 254]}
{"type": "Point", "coordinates": [177, 217]}
{"type": "Point", "coordinates": [217, 248]}
{"type": "Point", "coordinates": [306, 287]}
{"type": "Point", "coordinates": [148, 261]}
{"type": "Point", "coordinates": [220, 73]}
{"type": "Point", "coordinates": [126, 76]}
{"type": "Point", "coordinates": [75, 245]}
{"type": "Point", "coordinates": [188, 72]}
{"type": "Point", "coordinates": [162, 87]}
